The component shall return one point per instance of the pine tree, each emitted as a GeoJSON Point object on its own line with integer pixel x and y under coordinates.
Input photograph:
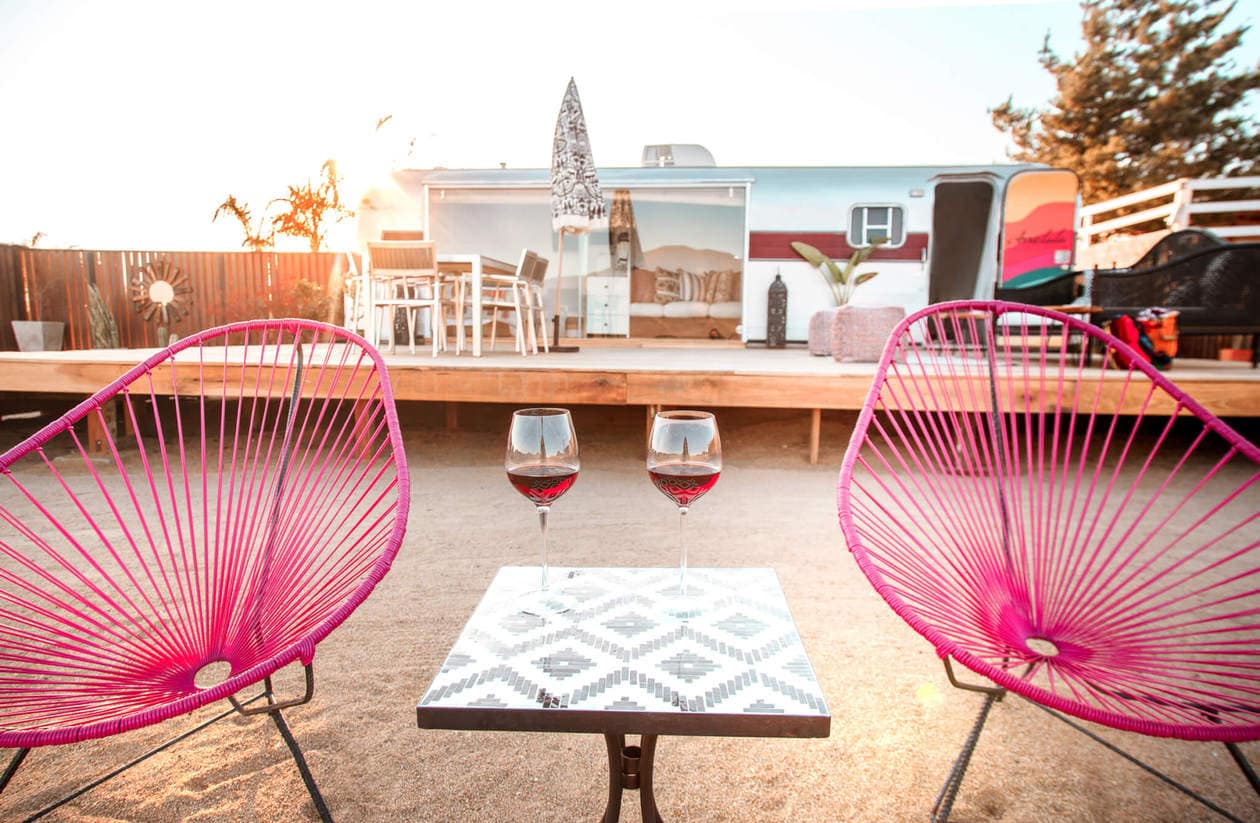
{"type": "Point", "coordinates": [1154, 96]}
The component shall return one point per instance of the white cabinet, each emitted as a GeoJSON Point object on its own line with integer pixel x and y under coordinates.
{"type": "Point", "coordinates": [608, 305]}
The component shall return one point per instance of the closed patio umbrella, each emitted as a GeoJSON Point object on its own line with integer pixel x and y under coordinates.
{"type": "Point", "coordinates": [577, 205]}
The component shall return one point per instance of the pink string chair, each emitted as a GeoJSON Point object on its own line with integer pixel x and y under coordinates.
{"type": "Point", "coordinates": [260, 495]}
{"type": "Point", "coordinates": [1103, 566]}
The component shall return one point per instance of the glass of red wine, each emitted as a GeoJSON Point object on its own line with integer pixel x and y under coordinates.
{"type": "Point", "coordinates": [684, 460]}
{"type": "Point", "coordinates": [542, 464]}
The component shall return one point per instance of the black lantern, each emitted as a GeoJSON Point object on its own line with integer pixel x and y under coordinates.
{"type": "Point", "coordinates": [776, 314]}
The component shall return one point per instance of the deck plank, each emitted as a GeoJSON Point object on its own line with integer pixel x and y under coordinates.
{"type": "Point", "coordinates": [643, 376]}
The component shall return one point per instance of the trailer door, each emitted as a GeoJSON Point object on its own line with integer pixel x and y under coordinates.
{"type": "Point", "coordinates": [960, 226]}
{"type": "Point", "coordinates": [1038, 226]}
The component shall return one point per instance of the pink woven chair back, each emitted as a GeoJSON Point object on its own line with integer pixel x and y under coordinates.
{"type": "Point", "coordinates": [260, 494]}
{"type": "Point", "coordinates": [1103, 565]}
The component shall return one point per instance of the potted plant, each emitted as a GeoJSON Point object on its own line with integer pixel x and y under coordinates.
{"type": "Point", "coordinates": [848, 333]}
{"type": "Point", "coordinates": [36, 333]}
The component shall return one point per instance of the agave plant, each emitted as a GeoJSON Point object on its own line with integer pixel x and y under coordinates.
{"type": "Point", "coordinates": [842, 280]}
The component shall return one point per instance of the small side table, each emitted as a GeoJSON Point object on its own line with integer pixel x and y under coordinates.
{"type": "Point", "coordinates": [619, 664]}
{"type": "Point", "coordinates": [1086, 313]}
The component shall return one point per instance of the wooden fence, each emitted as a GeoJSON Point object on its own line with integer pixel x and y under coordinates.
{"type": "Point", "coordinates": [194, 290]}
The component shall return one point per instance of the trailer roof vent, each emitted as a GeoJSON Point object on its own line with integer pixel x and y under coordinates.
{"type": "Point", "coordinates": [677, 154]}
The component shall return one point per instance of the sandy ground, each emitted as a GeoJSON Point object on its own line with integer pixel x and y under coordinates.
{"type": "Point", "coordinates": [896, 723]}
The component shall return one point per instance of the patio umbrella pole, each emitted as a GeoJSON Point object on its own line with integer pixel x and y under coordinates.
{"type": "Point", "coordinates": [555, 337]}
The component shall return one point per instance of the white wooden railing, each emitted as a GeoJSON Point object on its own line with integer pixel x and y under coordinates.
{"type": "Point", "coordinates": [1177, 212]}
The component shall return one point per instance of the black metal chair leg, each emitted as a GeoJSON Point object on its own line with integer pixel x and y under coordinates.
{"type": "Point", "coordinates": [945, 800]}
{"type": "Point", "coordinates": [1146, 767]}
{"type": "Point", "coordinates": [1237, 754]}
{"type": "Point", "coordinates": [98, 781]}
{"type": "Point", "coordinates": [18, 757]}
{"type": "Point", "coordinates": [320, 805]}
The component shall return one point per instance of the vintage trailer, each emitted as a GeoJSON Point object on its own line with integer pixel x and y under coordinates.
{"type": "Point", "coordinates": [690, 251]}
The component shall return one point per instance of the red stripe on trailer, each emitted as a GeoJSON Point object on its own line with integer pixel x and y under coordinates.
{"type": "Point", "coordinates": [777, 245]}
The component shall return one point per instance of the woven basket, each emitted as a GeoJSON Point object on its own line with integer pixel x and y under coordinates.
{"type": "Point", "coordinates": [858, 333]}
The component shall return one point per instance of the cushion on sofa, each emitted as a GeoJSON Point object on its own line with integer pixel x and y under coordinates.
{"type": "Point", "coordinates": [1225, 281]}
{"type": "Point", "coordinates": [647, 310]}
{"type": "Point", "coordinates": [729, 310]}
{"type": "Point", "coordinates": [686, 308]}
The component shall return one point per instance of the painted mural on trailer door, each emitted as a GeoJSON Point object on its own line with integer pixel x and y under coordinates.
{"type": "Point", "coordinates": [1038, 222]}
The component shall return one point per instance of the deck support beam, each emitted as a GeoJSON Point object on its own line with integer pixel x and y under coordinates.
{"type": "Point", "coordinates": [815, 434]}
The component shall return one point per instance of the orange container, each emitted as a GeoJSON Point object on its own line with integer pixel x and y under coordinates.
{"type": "Point", "coordinates": [1162, 330]}
{"type": "Point", "coordinates": [1236, 355]}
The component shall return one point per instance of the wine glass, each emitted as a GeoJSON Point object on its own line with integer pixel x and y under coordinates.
{"type": "Point", "coordinates": [542, 464]}
{"type": "Point", "coordinates": [684, 460]}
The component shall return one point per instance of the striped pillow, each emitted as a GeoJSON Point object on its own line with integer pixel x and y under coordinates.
{"type": "Point", "coordinates": [692, 286]}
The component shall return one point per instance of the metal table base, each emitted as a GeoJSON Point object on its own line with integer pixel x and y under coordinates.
{"type": "Point", "coordinates": [630, 767]}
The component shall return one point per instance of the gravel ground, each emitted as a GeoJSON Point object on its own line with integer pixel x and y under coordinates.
{"type": "Point", "coordinates": [896, 723]}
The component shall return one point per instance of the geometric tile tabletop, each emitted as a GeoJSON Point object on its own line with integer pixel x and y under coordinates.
{"type": "Point", "coordinates": [618, 662]}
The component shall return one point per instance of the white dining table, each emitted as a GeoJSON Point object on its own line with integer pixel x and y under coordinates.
{"type": "Point", "coordinates": [474, 265]}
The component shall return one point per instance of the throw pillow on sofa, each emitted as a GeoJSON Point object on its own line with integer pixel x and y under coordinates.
{"type": "Point", "coordinates": [692, 286]}
{"type": "Point", "coordinates": [668, 286]}
{"type": "Point", "coordinates": [642, 286]}
{"type": "Point", "coordinates": [722, 286]}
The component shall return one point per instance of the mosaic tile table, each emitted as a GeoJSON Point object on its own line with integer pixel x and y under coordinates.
{"type": "Point", "coordinates": [619, 664]}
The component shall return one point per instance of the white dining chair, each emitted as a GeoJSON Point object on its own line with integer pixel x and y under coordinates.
{"type": "Point", "coordinates": [404, 275]}
{"type": "Point", "coordinates": [508, 293]}
{"type": "Point", "coordinates": [533, 270]}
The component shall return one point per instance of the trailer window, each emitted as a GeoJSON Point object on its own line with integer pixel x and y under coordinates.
{"type": "Point", "coordinates": [866, 223]}
{"type": "Point", "coordinates": [670, 264]}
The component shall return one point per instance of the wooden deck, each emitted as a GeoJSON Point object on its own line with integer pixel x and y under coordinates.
{"type": "Point", "coordinates": [648, 375]}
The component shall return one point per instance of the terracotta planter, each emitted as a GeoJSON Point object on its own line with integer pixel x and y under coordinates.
{"type": "Point", "coordinates": [859, 333]}
{"type": "Point", "coordinates": [38, 335]}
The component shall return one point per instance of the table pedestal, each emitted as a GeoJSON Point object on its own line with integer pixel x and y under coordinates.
{"type": "Point", "coordinates": [630, 767]}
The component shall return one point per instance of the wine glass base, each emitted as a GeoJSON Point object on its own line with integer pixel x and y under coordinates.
{"type": "Point", "coordinates": [543, 602]}
{"type": "Point", "coordinates": [680, 606]}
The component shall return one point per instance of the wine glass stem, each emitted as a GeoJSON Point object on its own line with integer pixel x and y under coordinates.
{"type": "Point", "coordinates": [682, 543]}
{"type": "Point", "coordinates": [542, 522]}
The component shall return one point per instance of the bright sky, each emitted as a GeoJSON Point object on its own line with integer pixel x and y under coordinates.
{"type": "Point", "coordinates": [126, 122]}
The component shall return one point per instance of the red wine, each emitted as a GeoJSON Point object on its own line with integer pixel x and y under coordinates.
{"type": "Point", "coordinates": [543, 485]}
{"type": "Point", "coordinates": [684, 482]}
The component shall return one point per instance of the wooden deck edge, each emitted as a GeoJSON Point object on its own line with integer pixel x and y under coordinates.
{"type": "Point", "coordinates": [629, 387]}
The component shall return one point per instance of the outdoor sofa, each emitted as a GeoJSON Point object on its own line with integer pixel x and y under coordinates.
{"type": "Point", "coordinates": [1214, 285]}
